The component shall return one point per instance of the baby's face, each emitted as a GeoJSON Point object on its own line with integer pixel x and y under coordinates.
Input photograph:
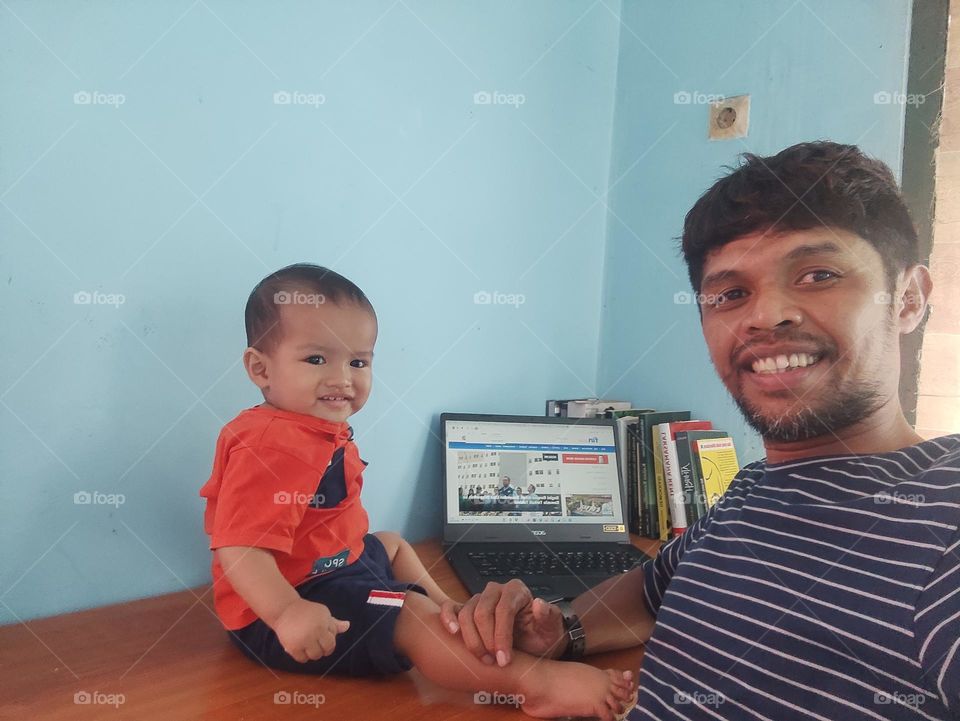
{"type": "Point", "coordinates": [322, 365]}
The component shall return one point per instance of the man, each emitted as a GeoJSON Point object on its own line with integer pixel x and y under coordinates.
{"type": "Point", "coordinates": [826, 582]}
{"type": "Point", "coordinates": [506, 490]}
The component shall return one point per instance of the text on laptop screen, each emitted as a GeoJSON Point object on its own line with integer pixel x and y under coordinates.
{"type": "Point", "coordinates": [500, 472]}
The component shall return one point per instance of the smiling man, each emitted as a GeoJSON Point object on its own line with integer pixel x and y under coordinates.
{"type": "Point", "coordinates": [826, 582]}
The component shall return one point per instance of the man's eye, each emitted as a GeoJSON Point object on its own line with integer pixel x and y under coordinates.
{"type": "Point", "coordinates": [717, 300]}
{"type": "Point", "coordinates": [316, 360]}
{"type": "Point", "coordinates": [358, 363]}
{"type": "Point", "coordinates": [818, 276]}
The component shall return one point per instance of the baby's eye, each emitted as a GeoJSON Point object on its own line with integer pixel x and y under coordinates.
{"type": "Point", "coordinates": [359, 363]}
{"type": "Point", "coordinates": [316, 360]}
{"type": "Point", "coordinates": [818, 276]}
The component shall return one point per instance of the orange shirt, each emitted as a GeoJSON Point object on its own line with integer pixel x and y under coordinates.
{"type": "Point", "coordinates": [289, 483]}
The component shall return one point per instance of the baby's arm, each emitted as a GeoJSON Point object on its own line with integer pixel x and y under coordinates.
{"type": "Point", "coordinates": [306, 630]}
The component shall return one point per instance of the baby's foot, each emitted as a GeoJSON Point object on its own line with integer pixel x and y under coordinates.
{"type": "Point", "coordinates": [556, 688]}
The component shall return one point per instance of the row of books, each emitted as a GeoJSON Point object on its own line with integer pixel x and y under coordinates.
{"type": "Point", "coordinates": [673, 467]}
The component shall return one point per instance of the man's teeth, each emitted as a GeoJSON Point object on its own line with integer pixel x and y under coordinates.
{"type": "Point", "coordinates": [782, 363]}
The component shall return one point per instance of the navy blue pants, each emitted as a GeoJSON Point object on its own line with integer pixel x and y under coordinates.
{"type": "Point", "coordinates": [366, 648]}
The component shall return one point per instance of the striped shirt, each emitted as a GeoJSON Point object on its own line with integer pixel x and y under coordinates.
{"type": "Point", "coordinates": [826, 588]}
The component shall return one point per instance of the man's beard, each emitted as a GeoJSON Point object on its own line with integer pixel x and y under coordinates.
{"type": "Point", "coordinates": [841, 409]}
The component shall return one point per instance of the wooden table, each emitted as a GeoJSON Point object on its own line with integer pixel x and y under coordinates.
{"type": "Point", "coordinates": [167, 658]}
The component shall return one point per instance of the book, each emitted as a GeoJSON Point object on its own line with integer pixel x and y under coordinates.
{"type": "Point", "coordinates": [628, 469]}
{"type": "Point", "coordinates": [633, 502]}
{"type": "Point", "coordinates": [691, 475]}
{"type": "Point", "coordinates": [648, 480]}
{"type": "Point", "coordinates": [718, 459]}
{"type": "Point", "coordinates": [663, 521]}
{"type": "Point", "coordinates": [671, 469]}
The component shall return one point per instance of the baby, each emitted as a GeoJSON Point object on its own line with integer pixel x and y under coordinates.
{"type": "Point", "coordinates": [299, 583]}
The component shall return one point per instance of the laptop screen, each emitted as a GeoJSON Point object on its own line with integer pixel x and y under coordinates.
{"type": "Point", "coordinates": [524, 471]}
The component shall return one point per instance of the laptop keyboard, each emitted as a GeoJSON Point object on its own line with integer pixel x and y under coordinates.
{"type": "Point", "coordinates": [550, 563]}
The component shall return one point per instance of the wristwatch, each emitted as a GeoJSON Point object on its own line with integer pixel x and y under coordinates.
{"type": "Point", "coordinates": [573, 629]}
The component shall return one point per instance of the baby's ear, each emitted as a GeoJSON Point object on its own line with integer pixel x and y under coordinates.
{"type": "Point", "coordinates": [256, 365]}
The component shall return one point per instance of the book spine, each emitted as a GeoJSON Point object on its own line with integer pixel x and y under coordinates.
{"type": "Point", "coordinates": [657, 452]}
{"type": "Point", "coordinates": [641, 502]}
{"type": "Point", "coordinates": [674, 493]}
{"type": "Point", "coordinates": [647, 501]}
{"type": "Point", "coordinates": [630, 483]}
{"type": "Point", "coordinates": [687, 482]}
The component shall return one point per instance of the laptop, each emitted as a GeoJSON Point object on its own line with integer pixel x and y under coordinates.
{"type": "Point", "coordinates": [534, 498]}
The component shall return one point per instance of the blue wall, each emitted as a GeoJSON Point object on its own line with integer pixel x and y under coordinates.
{"type": "Point", "coordinates": [812, 70]}
{"type": "Point", "coordinates": [103, 197]}
{"type": "Point", "coordinates": [198, 184]}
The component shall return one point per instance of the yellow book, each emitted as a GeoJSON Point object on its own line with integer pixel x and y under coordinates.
{"type": "Point", "coordinates": [663, 514]}
{"type": "Point", "coordinates": [719, 465]}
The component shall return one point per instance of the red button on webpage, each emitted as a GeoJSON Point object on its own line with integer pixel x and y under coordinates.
{"type": "Point", "coordinates": [592, 458]}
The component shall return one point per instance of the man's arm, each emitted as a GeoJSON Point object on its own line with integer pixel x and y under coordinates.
{"type": "Point", "coordinates": [614, 614]}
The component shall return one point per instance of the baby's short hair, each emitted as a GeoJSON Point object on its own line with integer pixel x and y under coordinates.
{"type": "Point", "coordinates": [311, 283]}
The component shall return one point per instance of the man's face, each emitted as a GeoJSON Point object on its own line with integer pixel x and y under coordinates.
{"type": "Point", "coordinates": [505, 481]}
{"type": "Point", "coordinates": [801, 330]}
{"type": "Point", "coordinates": [322, 365]}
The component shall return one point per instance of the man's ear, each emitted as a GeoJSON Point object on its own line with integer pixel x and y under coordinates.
{"type": "Point", "coordinates": [255, 363]}
{"type": "Point", "coordinates": [914, 295]}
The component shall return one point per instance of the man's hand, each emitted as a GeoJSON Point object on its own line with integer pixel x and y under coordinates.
{"type": "Point", "coordinates": [504, 616]}
{"type": "Point", "coordinates": [307, 630]}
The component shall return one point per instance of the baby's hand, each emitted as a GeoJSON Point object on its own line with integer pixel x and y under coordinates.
{"type": "Point", "coordinates": [307, 630]}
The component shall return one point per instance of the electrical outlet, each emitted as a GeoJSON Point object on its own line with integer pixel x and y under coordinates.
{"type": "Point", "coordinates": [729, 118]}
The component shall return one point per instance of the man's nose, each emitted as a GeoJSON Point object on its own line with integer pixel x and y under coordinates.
{"type": "Point", "coordinates": [773, 308]}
